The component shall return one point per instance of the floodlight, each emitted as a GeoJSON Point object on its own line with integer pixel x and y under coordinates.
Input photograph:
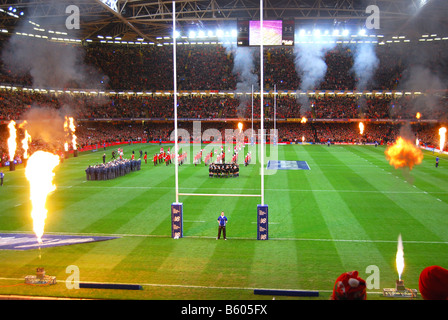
{"type": "Point", "coordinates": [192, 34]}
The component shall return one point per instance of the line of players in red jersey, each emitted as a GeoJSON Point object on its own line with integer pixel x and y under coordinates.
{"type": "Point", "coordinates": [167, 157]}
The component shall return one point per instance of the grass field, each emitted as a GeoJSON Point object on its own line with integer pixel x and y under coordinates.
{"type": "Point", "coordinates": [344, 214]}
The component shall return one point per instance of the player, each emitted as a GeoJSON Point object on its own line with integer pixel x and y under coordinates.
{"type": "Point", "coordinates": [222, 222]}
{"type": "Point", "coordinates": [437, 161]}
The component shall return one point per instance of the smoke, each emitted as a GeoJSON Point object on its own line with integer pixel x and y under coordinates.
{"type": "Point", "coordinates": [46, 124]}
{"type": "Point", "coordinates": [310, 66]}
{"type": "Point", "coordinates": [51, 65]}
{"type": "Point", "coordinates": [244, 69]}
{"type": "Point", "coordinates": [365, 64]}
{"type": "Point", "coordinates": [419, 78]}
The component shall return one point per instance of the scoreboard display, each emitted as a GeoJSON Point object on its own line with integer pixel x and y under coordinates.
{"type": "Point", "coordinates": [275, 33]}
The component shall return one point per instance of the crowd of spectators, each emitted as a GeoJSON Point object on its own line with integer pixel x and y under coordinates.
{"type": "Point", "coordinates": [211, 67]}
{"type": "Point", "coordinates": [14, 105]}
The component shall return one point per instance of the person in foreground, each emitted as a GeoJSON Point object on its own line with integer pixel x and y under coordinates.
{"type": "Point", "coordinates": [433, 283]}
{"type": "Point", "coordinates": [349, 286]}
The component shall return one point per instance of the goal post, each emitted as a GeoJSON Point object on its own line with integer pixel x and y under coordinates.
{"type": "Point", "coordinates": [177, 207]}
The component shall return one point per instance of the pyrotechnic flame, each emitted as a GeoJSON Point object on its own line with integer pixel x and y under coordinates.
{"type": "Point", "coordinates": [303, 138]}
{"type": "Point", "coordinates": [39, 172]}
{"type": "Point", "coordinates": [12, 144]}
{"type": "Point", "coordinates": [72, 129]}
{"type": "Point", "coordinates": [303, 120]}
{"type": "Point", "coordinates": [66, 129]}
{"type": "Point", "coordinates": [399, 259]}
{"type": "Point", "coordinates": [25, 145]}
{"type": "Point", "coordinates": [403, 153]}
{"type": "Point", "coordinates": [442, 132]}
{"type": "Point", "coordinates": [69, 127]}
{"type": "Point", "coordinates": [240, 126]}
{"type": "Point", "coordinates": [418, 115]}
{"type": "Point", "coordinates": [361, 128]}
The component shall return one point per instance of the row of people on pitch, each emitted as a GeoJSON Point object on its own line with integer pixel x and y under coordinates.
{"type": "Point", "coordinates": [112, 169]}
{"type": "Point", "coordinates": [168, 158]}
{"type": "Point", "coordinates": [162, 157]}
{"type": "Point", "coordinates": [224, 170]}
{"type": "Point", "coordinates": [247, 159]}
{"type": "Point", "coordinates": [209, 157]}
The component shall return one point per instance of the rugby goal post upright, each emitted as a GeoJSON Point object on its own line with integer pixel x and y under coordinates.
{"type": "Point", "coordinates": [176, 207]}
{"type": "Point", "coordinates": [262, 209]}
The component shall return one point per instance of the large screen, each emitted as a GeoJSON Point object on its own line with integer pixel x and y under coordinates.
{"type": "Point", "coordinates": [272, 33]}
{"type": "Point", "coordinates": [111, 4]}
{"type": "Point", "coordinates": [275, 32]}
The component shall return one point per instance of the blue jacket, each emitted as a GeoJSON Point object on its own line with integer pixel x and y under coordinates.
{"type": "Point", "coordinates": [222, 221]}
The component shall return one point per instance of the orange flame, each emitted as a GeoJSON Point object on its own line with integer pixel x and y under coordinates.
{"type": "Point", "coordinates": [303, 138]}
{"type": "Point", "coordinates": [361, 128]}
{"type": "Point", "coordinates": [72, 129]}
{"type": "Point", "coordinates": [240, 126]}
{"type": "Point", "coordinates": [12, 144]}
{"type": "Point", "coordinates": [442, 132]}
{"type": "Point", "coordinates": [25, 145]}
{"type": "Point", "coordinates": [403, 153]}
{"type": "Point", "coordinates": [399, 258]}
{"type": "Point", "coordinates": [66, 129]}
{"type": "Point", "coordinates": [69, 127]}
{"type": "Point", "coordinates": [39, 172]}
{"type": "Point", "coordinates": [304, 120]}
{"type": "Point", "coordinates": [418, 115]}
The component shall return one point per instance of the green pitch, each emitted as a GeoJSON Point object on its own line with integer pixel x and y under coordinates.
{"type": "Point", "coordinates": [344, 214]}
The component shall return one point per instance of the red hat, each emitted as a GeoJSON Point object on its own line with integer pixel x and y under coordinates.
{"type": "Point", "coordinates": [433, 283]}
{"type": "Point", "coordinates": [349, 286]}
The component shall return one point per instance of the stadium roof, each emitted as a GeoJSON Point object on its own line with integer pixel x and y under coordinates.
{"type": "Point", "coordinates": [131, 19]}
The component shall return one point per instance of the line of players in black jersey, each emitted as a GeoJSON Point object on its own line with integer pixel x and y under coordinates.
{"type": "Point", "coordinates": [223, 170]}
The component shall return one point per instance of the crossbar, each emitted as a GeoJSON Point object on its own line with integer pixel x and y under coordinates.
{"type": "Point", "coordinates": [219, 195]}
